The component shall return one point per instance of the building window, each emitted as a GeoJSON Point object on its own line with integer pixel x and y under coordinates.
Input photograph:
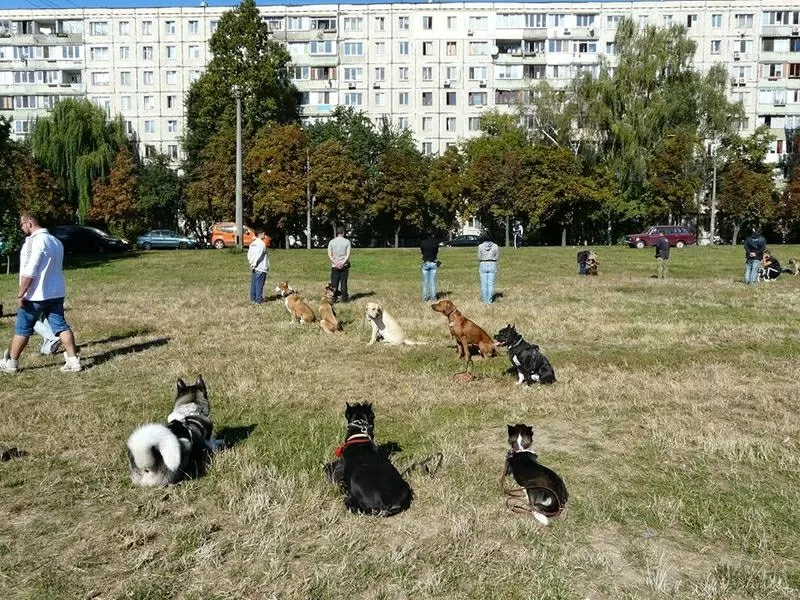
{"type": "Point", "coordinates": [427, 23]}
{"type": "Point", "coordinates": [452, 48]}
{"type": "Point", "coordinates": [691, 21]}
{"type": "Point", "coordinates": [354, 48]}
{"type": "Point", "coordinates": [716, 21]}
{"type": "Point", "coordinates": [611, 48]}
{"type": "Point", "coordinates": [194, 75]}
{"type": "Point", "coordinates": [427, 73]}
{"type": "Point", "coordinates": [402, 122]}
{"type": "Point", "coordinates": [125, 102]}
{"type": "Point", "coordinates": [478, 73]}
{"type": "Point", "coordinates": [295, 24]}
{"type": "Point", "coordinates": [98, 53]}
{"type": "Point", "coordinates": [194, 51]}
{"type": "Point", "coordinates": [172, 52]}
{"type": "Point", "coordinates": [403, 48]}
{"type": "Point", "coordinates": [450, 124]}
{"type": "Point", "coordinates": [353, 99]}
{"type": "Point", "coordinates": [125, 78]}
{"type": "Point", "coordinates": [477, 98]}
{"type": "Point", "coordinates": [479, 23]}
{"type": "Point", "coordinates": [149, 126]}
{"type": "Point", "coordinates": [172, 77]}
{"type": "Point", "coordinates": [355, 24]}
{"type": "Point", "coordinates": [482, 48]}
{"type": "Point", "coordinates": [427, 148]}
{"type": "Point", "coordinates": [212, 25]}
{"type": "Point", "coordinates": [427, 48]}
{"type": "Point", "coordinates": [402, 98]}
{"type": "Point", "coordinates": [380, 99]}
{"type": "Point", "coordinates": [169, 27]}
{"type": "Point", "coordinates": [450, 99]}
{"type": "Point", "coordinates": [124, 27]}
{"type": "Point", "coordinates": [193, 26]}
{"type": "Point", "coordinates": [715, 46]}
{"type": "Point", "coordinates": [402, 23]}
{"type": "Point", "coordinates": [147, 77]}
{"type": "Point", "coordinates": [474, 123]}
{"type": "Point", "coordinates": [147, 52]}
{"type": "Point", "coordinates": [743, 21]}
{"type": "Point", "coordinates": [380, 23]}
{"type": "Point", "coordinates": [584, 20]}
{"type": "Point", "coordinates": [300, 73]}
{"type": "Point", "coordinates": [612, 21]}
{"type": "Point", "coordinates": [452, 74]}
{"type": "Point", "coordinates": [172, 101]}
{"type": "Point", "coordinates": [380, 73]}
{"type": "Point", "coordinates": [427, 123]}
{"type": "Point", "coordinates": [124, 52]}
{"type": "Point", "coordinates": [98, 28]}
{"type": "Point", "coordinates": [380, 48]}
{"type": "Point", "coordinates": [172, 151]}
{"type": "Point", "coordinates": [353, 74]}
{"type": "Point", "coordinates": [149, 102]}
{"type": "Point", "coordinates": [666, 20]}
{"type": "Point", "coordinates": [172, 126]}
{"type": "Point", "coordinates": [322, 48]}
{"type": "Point", "coordinates": [402, 73]}
{"type": "Point", "coordinates": [101, 78]}
{"type": "Point", "coordinates": [147, 28]}
{"type": "Point", "coordinates": [452, 22]}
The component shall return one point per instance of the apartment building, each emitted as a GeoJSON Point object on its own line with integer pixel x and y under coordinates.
{"type": "Point", "coordinates": [433, 68]}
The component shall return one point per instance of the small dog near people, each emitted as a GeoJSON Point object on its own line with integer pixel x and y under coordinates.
{"type": "Point", "coordinates": [298, 308]}
{"type": "Point", "coordinates": [467, 333]}
{"type": "Point", "coordinates": [384, 327]}
{"type": "Point", "coordinates": [371, 483]}
{"type": "Point", "coordinates": [794, 266]}
{"type": "Point", "coordinates": [542, 488]}
{"type": "Point", "coordinates": [161, 455]}
{"type": "Point", "coordinates": [587, 262]}
{"type": "Point", "coordinates": [327, 314]}
{"type": "Point", "coordinates": [531, 365]}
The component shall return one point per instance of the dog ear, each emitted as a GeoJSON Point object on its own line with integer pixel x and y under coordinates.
{"type": "Point", "coordinates": [510, 429]}
{"type": "Point", "coordinates": [200, 383]}
{"type": "Point", "coordinates": [181, 385]}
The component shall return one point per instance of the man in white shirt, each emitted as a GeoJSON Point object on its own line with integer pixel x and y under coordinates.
{"type": "Point", "coordinates": [258, 259]}
{"type": "Point", "coordinates": [41, 294]}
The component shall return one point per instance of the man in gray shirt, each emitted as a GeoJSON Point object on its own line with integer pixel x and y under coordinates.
{"type": "Point", "coordinates": [339, 255]}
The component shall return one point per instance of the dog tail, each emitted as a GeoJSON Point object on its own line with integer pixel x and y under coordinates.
{"type": "Point", "coordinates": [151, 446]}
{"type": "Point", "coordinates": [408, 342]}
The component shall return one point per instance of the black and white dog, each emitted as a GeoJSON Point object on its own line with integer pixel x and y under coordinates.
{"type": "Point", "coordinates": [371, 483]}
{"type": "Point", "coordinates": [531, 365]}
{"type": "Point", "coordinates": [164, 454]}
{"type": "Point", "coordinates": [544, 490]}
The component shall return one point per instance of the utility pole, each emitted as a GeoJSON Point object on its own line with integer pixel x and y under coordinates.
{"type": "Point", "coordinates": [237, 92]}
{"type": "Point", "coordinates": [309, 201]}
{"type": "Point", "coordinates": [714, 195]}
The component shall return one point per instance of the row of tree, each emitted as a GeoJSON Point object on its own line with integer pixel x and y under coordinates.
{"type": "Point", "coordinates": [587, 163]}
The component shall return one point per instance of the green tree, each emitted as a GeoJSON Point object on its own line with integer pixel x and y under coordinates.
{"type": "Point", "coordinates": [115, 198]}
{"type": "Point", "coordinates": [337, 183]}
{"type": "Point", "coordinates": [448, 192]}
{"type": "Point", "coordinates": [160, 193]}
{"type": "Point", "coordinates": [676, 176]}
{"type": "Point", "coordinates": [244, 56]}
{"type": "Point", "coordinates": [77, 145]}
{"type": "Point", "coordinates": [210, 195]}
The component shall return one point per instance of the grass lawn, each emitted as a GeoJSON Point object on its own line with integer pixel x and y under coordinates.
{"type": "Point", "coordinates": [674, 424]}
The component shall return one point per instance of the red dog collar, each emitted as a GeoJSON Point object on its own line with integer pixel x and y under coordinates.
{"type": "Point", "coordinates": [359, 440]}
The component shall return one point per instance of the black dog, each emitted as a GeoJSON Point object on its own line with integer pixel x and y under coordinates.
{"type": "Point", "coordinates": [544, 490]}
{"type": "Point", "coordinates": [531, 365]}
{"type": "Point", "coordinates": [371, 483]}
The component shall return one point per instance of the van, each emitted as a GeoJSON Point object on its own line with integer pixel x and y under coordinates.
{"type": "Point", "coordinates": [224, 234]}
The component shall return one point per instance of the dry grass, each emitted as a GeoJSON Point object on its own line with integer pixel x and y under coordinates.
{"type": "Point", "coordinates": [674, 424]}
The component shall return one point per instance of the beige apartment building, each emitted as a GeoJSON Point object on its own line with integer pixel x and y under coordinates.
{"type": "Point", "coordinates": [430, 67]}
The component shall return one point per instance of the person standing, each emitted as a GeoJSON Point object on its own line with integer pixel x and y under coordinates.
{"type": "Point", "coordinates": [754, 247]}
{"type": "Point", "coordinates": [258, 259]}
{"type": "Point", "coordinates": [430, 264]}
{"type": "Point", "coordinates": [42, 290]}
{"type": "Point", "coordinates": [339, 256]}
{"type": "Point", "coordinates": [488, 253]}
{"type": "Point", "coordinates": [662, 256]}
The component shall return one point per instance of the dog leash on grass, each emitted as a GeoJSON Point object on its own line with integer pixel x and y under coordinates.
{"type": "Point", "coordinates": [430, 465]}
{"type": "Point", "coordinates": [515, 495]}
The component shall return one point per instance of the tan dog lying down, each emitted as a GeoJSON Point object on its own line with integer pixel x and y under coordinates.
{"type": "Point", "coordinates": [327, 315]}
{"type": "Point", "coordinates": [385, 327]}
{"type": "Point", "coordinates": [297, 307]}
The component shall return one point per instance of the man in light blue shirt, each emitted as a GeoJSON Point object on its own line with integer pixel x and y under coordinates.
{"type": "Point", "coordinates": [339, 255]}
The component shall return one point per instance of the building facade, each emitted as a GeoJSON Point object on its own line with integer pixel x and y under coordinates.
{"type": "Point", "coordinates": [433, 68]}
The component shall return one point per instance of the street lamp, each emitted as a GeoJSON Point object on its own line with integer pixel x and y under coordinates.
{"type": "Point", "coordinates": [237, 92]}
{"type": "Point", "coordinates": [713, 226]}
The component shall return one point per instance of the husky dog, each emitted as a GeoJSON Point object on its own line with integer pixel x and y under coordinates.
{"type": "Point", "coordinates": [544, 490]}
{"type": "Point", "coordinates": [371, 483]}
{"type": "Point", "coordinates": [164, 454]}
{"type": "Point", "coordinates": [531, 365]}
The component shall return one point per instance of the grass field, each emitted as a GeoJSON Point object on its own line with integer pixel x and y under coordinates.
{"type": "Point", "coordinates": [674, 424]}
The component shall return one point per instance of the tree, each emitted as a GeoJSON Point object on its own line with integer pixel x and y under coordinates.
{"type": "Point", "coordinates": [210, 195]}
{"type": "Point", "coordinates": [160, 193]}
{"type": "Point", "coordinates": [676, 176]}
{"type": "Point", "coordinates": [788, 210]}
{"type": "Point", "coordinates": [244, 56]}
{"type": "Point", "coordinates": [337, 183]}
{"type": "Point", "coordinates": [77, 145]}
{"type": "Point", "coordinates": [447, 193]}
{"type": "Point", "coordinates": [115, 199]}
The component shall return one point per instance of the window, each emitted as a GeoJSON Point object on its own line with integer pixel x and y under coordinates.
{"type": "Point", "coordinates": [479, 48]}
{"type": "Point", "coordinates": [172, 151]}
{"type": "Point", "coordinates": [402, 23]}
{"type": "Point", "coordinates": [194, 51]}
{"type": "Point", "coordinates": [125, 78]}
{"type": "Point", "coordinates": [353, 99]}
{"type": "Point", "coordinates": [193, 26]}
{"type": "Point", "coordinates": [404, 48]}
{"type": "Point", "coordinates": [773, 71]}
{"type": "Point", "coordinates": [508, 72]}
{"type": "Point", "coordinates": [477, 98]}
{"type": "Point", "coordinates": [149, 102]}
{"type": "Point", "coordinates": [147, 52]}
{"type": "Point", "coordinates": [557, 20]}
{"type": "Point", "coordinates": [147, 77]}
{"type": "Point", "coordinates": [715, 46]}
{"type": "Point", "coordinates": [194, 75]}
{"type": "Point", "coordinates": [612, 21]}
{"type": "Point", "coordinates": [147, 28]}
{"type": "Point", "coordinates": [172, 101]}
{"type": "Point", "coordinates": [354, 48]}
{"type": "Point", "coordinates": [380, 99]}
{"type": "Point", "coordinates": [380, 23]}
{"type": "Point", "coordinates": [149, 151]}
{"type": "Point", "coordinates": [22, 126]}
{"type": "Point", "coordinates": [98, 28]}
{"type": "Point", "coordinates": [172, 126]}
{"type": "Point", "coordinates": [98, 52]}
{"type": "Point", "coordinates": [427, 148]}
{"type": "Point", "coordinates": [402, 73]}
{"type": "Point", "coordinates": [125, 102]}
{"type": "Point", "coordinates": [172, 52]}
{"type": "Point", "coordinates": [479, 23]}
{"type": "Point", "coordinates": [354, 24]}
{"type": "Point", "coordinates": [716, 21]}
{"type": "Point", "coordinates": [427, 73]}
{"type": "Point", "coordinates": [353, 74]}
{"type": "Point", "coordinates": [452, 22]}
{"type": "Point", "coordinates": [794, 72]}
{"type": "Point", "coordinates": [427, 48]}
{"type": "Point", "coordinates": [427, 123]}
{"type": "Point", "coordinates": [323, 24]}
{"type": "Point", "coordinates": [584, 20]}
{"type": "Point", "coordinates": [585, 47]}
{"type": "Point", "coordinates": [427, 23]}
{"type": "Point", "coordinates": [124, 52]}
{"type": "Point", "coordinates": [450, 98]}
{"type": "Point", "coordinates": [317, 48]}
{"type": "Point", "coordinates": [474, 123]}
{"type": "Point", "coordinates": [402, 98]}
{"type": "Point", "coordinates": [124, 27]}
{"type": "Point", "coordinates": [149, 126]}
{"type": "Point", "coordinates": [611, 48]}
{"type": "Point", "coordinates": [172, 77]}
{"type": "Point", "coordinates": [691, 21]}
{"type": "Point", "coordinates": [380, 48]}
{"type": "Point", "coordinates": [169, 27]}
{"type": "Point", "coordinates": [643, 21]}
{"type": "Point", "coordinates": [743, 21]}
{"type": "Point", "coordinates": [380, 73]}
{"type": "Point", "coordinates": [295, 24]}
{"type": "Point", "coordinates": [666, 20]}
{"type": "Point", "coordinates": [70, 52]}
{"type": "Point", "coordinates": [212, 26]}
{"type": "Point", "coordinates": [402, 122]}
{"type": "Point", "coordinates": [510, 21]}
{"type": "Point", "coordinates": [452, 73]}
{"type": "Point", "coordinates": [300, 73]}
{"type": "Point", "coordinates": [427, 98]}
{"type": "Point", "coordinates": [101, 78]}
{"type": "Point", "coordinates": [450, 124]}
{"type": "Point", "coordinates": [558, 46]}
{"type": "Point", "coordinates": [452, 48]}
{"type": "Point", "coordinates": [477, 73]}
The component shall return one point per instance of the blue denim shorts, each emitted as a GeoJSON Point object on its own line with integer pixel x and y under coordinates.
{"type": "Point", "coordinates": [52, 310]}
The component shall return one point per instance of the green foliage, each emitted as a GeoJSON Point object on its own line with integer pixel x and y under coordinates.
{"type": "Point", "coordinates": [210, 195]}
{"type": "Point", "coordinates": [676, 176]}
{"type": "Point", "coordinates": [114, 198]}
{"type": "Point", "coordinates": [9, 214]}
{"type": "Point", "coordinates": [338, 184]}
{"type": "Point", "coordinates": [448, 193]}
{"type": "Point", "coordinates": [160, 198]}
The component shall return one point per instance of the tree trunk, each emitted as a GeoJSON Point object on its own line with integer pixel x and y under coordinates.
{"type": "Point", "coordinates": [736, 227]}
{"type": "Point", "coordinates": [397, 237]}
{"type": "Point", "coordinates": [508, 239]}
{"type": "Point", "coordinates": [286, 241]}
{"type": "Point", "coordinates": [563, 236]}
{"type": "Point", "coordinates": [608, 231]}
{"type": "Point", "coordinates": [333, 228]}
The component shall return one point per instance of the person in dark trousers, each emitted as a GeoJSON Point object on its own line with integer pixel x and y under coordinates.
{"type": "Point", "coordinates": [430, 264]}
{"type": "Point", "coordinates": [339, 254]}
{"type": "Point", "coordinates": [662, 256]}
{"type": "Point", "coordinates": [754, 247]}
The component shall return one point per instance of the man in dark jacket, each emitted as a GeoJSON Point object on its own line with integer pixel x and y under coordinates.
{"type": "Point", "coordinates": [754, 246]}
{"type": "Point", "coordinates": [662, 256]}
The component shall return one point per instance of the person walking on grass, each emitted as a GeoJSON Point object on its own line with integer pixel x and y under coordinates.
{"type": "Point", "coordinates": [662, 257]}
{"type": "Point", "coordinates": [339, 256]}
{"type": "Point", "coordinates": [754, 247]}
{"type": "Point", "coordinates": [488, 253]}
{"type": "Point", "coordinates": [42, 290]}
{"type": "Point", "coordinates": [430, 264]}
{"type": "Point", "coordinates": [258, 259]}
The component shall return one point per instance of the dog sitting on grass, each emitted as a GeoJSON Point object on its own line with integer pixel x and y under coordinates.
{"type": "Point", "coordinates": [370, 482]}
{"type": "Point", "coordinates": [327, 314]}
{"type": "Point", "coordinates": [587, 262]}
{"type": "Point", "coordinates": [531, 365]}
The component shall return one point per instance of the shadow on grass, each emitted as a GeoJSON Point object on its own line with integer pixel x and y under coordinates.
{"type": "Point", "coordinates": [10, 453]}
{"type": "Point", "coordinates": [117, 337]}
{"type": "Point", "coordinates": [272, 297]}
{"type": "Point", "coordinates": [360, 295]}
{"type": "Point", "coordinates": [88, 261]}
{"type": "Point", "coordinates": [232, 436]}
{"type": "Point", "coordinates": [99, 359]}
{"type": "Point", "coordinates": [497, 296]}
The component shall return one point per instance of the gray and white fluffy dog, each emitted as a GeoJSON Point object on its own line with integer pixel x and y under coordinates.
{"type": "Point", "coordinates": [161, 455]}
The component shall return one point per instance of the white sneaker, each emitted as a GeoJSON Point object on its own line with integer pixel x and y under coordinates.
{"type": "Point", "coordinates": [71, 365]}
{"type": "Point", "coordinates": [8, 365]}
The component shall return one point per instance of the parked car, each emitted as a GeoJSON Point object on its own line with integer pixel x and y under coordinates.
{"type": "Point", "coordinates": [463, 240]}
{"type": "Point", "coordinates": [224, 234]}
{"type": "Point", "coordinates": [78, 239]}
{"type": "Point", "coordinates": [676, 235]}
{"type": "Point", "coordinates": [164, 238]}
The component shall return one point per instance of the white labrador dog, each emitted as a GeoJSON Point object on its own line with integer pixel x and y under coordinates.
{"type": "Point", "coordinates": [385, 327]}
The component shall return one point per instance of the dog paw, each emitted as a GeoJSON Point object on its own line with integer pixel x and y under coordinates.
{"type": "Point", "coordinates": [540, 518]}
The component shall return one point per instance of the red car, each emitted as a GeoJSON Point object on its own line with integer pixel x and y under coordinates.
{"type": "Point", "coordinates": [676, 235]}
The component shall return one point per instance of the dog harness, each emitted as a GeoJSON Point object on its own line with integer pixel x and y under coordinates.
{"type": "Point", "coordinates": [359, 438]}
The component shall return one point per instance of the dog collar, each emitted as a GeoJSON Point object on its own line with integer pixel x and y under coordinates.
{"type": "Point", "coordinates": [517, 343]}
{"type": "Point", "coordinates": [451, 312]}
{"type": "Point", "coordinates": [359, 438]}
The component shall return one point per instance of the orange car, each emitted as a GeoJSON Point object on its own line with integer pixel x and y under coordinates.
{"type": "Point", "coordinates": [224, 234]}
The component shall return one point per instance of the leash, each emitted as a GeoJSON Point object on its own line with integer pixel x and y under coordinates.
{"type": "Point", "coordinates": [516, 505]}
{"type": "Point", "coordinates": [430, 465]}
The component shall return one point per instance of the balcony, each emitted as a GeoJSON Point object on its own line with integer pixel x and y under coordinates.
{"type": "Point", "coordinates": [534, 34]}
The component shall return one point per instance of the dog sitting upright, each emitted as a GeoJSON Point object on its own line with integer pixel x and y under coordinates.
{"type": "Point", "coordinates": [531, 365]}
{"type": "Point", "coordinates": [466, 332]}
{"type": "Point", "coordinates": [544, 490]}
{"type": "Point", "coordinates": [327, 314]}
{"type": "Point", "coordinates": [371, 483]}
{"type": "Point", "coordinates": [299, 310]}
{"type": "Point", "coordinates": [164, 454]}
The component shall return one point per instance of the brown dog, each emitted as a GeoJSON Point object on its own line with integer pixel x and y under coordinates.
{"type": "Point", "coordinates": [794, 266]}
{"type": "Point", "coordinates": [327, 315]}
{"type": "Point", "coordinates": [466, 332]}
{"type": "Point", "coordinates": [297, 307]}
